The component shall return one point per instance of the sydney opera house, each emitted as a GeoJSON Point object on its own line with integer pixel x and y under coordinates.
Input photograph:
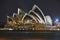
{"type": "Point", "coordinates": [33, 20]}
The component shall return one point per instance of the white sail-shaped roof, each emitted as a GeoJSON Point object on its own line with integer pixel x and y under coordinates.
{"type": "Point", "coordinates": [14, 14]}
{"type": "Point", "coordinates": [38, 16]}
{"type": "Point", "coordinates": [20, 11]}
{"type": "Point", "coordinates": [48, 20]}
{"type": "Point", "coordinates": [8, 19]}
{"type": "Point", "coordinates": [29, 16]}
{"type": "Point", "coordinates": [40, 19]}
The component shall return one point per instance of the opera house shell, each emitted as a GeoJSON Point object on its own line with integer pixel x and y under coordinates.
{"type": "Point", "coordinates": [33, 20]}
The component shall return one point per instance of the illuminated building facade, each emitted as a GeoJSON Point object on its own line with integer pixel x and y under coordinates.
{"type": "Point", "coordinates": [33, 20]}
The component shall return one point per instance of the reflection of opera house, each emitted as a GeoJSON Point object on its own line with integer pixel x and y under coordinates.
{"type": "Point", "coordinates": [33, 20]}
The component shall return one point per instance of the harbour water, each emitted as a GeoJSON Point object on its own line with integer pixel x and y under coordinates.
{"type": "Point", "coordinates": [30, 35]}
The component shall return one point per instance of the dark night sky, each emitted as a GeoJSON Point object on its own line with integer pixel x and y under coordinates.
{"type": "Point", "coordinates": [49, 7]}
